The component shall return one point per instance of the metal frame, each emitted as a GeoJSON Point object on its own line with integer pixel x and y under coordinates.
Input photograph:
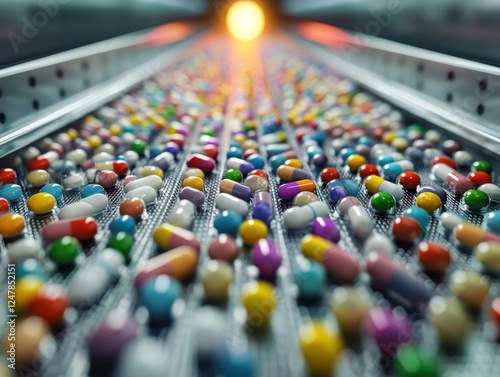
{"type": "Point", "coordinates": [457, 95]}
{"type": "Point", "coordinates": [41, 96]}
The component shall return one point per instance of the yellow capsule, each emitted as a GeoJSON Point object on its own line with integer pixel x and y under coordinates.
{"type": "Point", "coordinates": [293, 162]}
{"type": "Point", "coordinates": [11, 224]}
{"type": "Point", "coordinates": [41, 203]}
{"type": "Point", "coordinates": [115, 129]}
{"type": "Point", "coordinates": [194, 182]}
{"type": "Point", "coordinates": [253, 230]}
{"type": "Point", "coordinates": [350, 308]}
{"type": "Point", "coordinates": [321, 348]}
{"type": "Point", "coordinates": [250, 144]}
{"type": "Point", "coordinates": [449, 319]}
{"type": "Point", "coordinates": [355, 161]}
{"type": "Point", "coordinates": [259, 300]}
{"type": "Point", "coordinates": [372, 183]}
{"type": "Point", "coordinates": [72, 133]}
{"type": "Point", "coordinates": [470, 287]}
{"type": "Point", "coordinates": [94, 141]}
{"type": "Point", "coordinates": [151, 170]}
{"type": "Point", "coordinates": [240, 138]}
{"type": "Point", "coordinates": [313, 247]}
{"type": "Point", "coordinates": [488, 253]}
{"type": "Point", "coordinates": [26, 290]}
{"type": "Point", "coordinates": [400, 144]}
{"type": "Point", "coordinates": [428, 201]}
{"type": "Point", "coordinates": [136, 119]}
{"type": "Point", "coordinates": [389, 136]}
{"type": "Point", "coordinates": [37, 178]}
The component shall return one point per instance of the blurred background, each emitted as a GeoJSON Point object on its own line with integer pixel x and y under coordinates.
{"type": "Point", "coordinates": [462, 28]}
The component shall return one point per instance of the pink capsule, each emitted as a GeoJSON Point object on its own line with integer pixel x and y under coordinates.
{"type": "Point", "coordinates": [455, 181]}
{"type": "Point", "coordinates": [106, 178]}
{"type": "Point", "coordinates": [204, 163]}
{"type": "Point", "coordinates": [82, 228]}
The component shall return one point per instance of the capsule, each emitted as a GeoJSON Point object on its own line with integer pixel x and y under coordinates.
{"type": "Point", "coordinates": [289, 174]}
{"type": "Point", "coordinates": [83, 228]}
{"type": "Point", "coordinates": [349, 185]}
{"type": "Point", "coordinates": [388, 158]}
{"type": "Point", "coordinates": [376, 184]}
{"type": "Point", "coordinates": [279, 159]}
{"type": "Point", "coordinates": [492, 190]}
{"type": "Point", "coordinates": [92, 280]}
{"type": "Point", "coordinates": [239, 164]}
{"type": "Point", "coordinates": [152, 181]}
{"type": "Point", "coordinates": [276, 149]}
{"type": "Point", "coordinates": [226, 202]}
{"type": "Point", "coordinates": [235, 189]}
{"type": "Point", "coordinates": [88, 206]}
{"type": "Point", "coordinates": [168, 236]}
{"type": "Point", "coordinates": [199, 161]}
{"type": "Point", "coordinates": [393, 170]}
{"type": "Point", "coordinates": [359, 218]}
{"type": "Point", "coordinates": [119, 167]}
{"type": "Point", "coordinates": [182, 214]}
{"type": "Point", "coordinates": [195, 196]}
{"type": "Point", "coordinates": [179, 263]}
{"type": "Point", "coordinates": [266, 257]}
{"type": "Point", "coordinates": [454, 181]}
{"type": "Point", "coordinates": [164, 160]}
{"type": "Point", "coordinates": [263, 207]}
{"type": "Point", "coordinates": [392, 280]}
{"type": "Point", "coordinates": [342, 266]}
{"type": "Point", "coordinates": [288, 191]}
{"type": "Point", "coordinates": [147, 194]}
{"type": "Point", "coordinates": [471, 235]}
{"type": "Point", "coordinates": [300, 217]}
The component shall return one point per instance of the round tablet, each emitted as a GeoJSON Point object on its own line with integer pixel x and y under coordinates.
{"type": "Point", "coordinates": [37, 178]}
{"type": "Point", "coordinates": [41, 203]}
{"type": "Point", "coordinates": [428, 201]}
{"type": "Point", "coordinates": [382, 202]}
{"type": "Point", "coordinates": [368, 169]}
{"type": "Point", "coordinates": [133, 207]}
{"type": "Point", "coordinates": [476, 200]}
{"type": "Point", "coordinates": [329, 174]}
{"type": "Point", "coordinates": [406, 229]}
{"type": "Point", "coordinates": [256, 183]}
{"type": "Point", "coordinates": [158, 295]}
{"type": "Point", "coordinates": [123, 224]}
{"type": "Point", "coordinates": [228, 222]}
{"type": "Point", "coordinates": [216, 277]}
{"type": "Point", "coordinates": [409, 180]}
{"type": "Point", "coordinates": [470, 288]}
{"type": "Point", "coordinates": [488, 253]}
{"type": "Point", "coordinates": [11, 225]}
{"type": "Point", "coordinates": [310, 278]}
{"type": "Point", "coordinates": [252, 230]}
{"type": "Point", "coordinates": [53, 189]}
{"type": "Point", "coordinates": [433, 256]}
{"type": "Point", "coordinates": [65, 251]}
{"type": "Point", "coordinates": [121, 242]}
{"type": "Point", "coordinates": [233, 175]}
{"type": "Point", "coordinates": [50, 304]}
{"type": "Point", "coordinates": [304, 198]}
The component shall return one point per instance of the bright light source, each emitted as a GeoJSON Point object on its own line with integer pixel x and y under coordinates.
{"type": "Point", "coordinates": [245, 20]}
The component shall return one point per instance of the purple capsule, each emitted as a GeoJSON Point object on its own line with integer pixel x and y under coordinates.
{"type": "Point", "coordinates": [325, 228]}
{"type": "Point", "coordinates": [172, 148]}
{"type": "Point", "coordinates": [263, 207]}
{"type": "Point", "coordinates": [266, 257]}
{"type": "Point", "coordinates": [336, 194]}
{"type": "Point", "coordinates": [388, 330]}
{"type": "Point", "coordinates": [194, 196]}
{"type": "Point", "coordinates": [239, 164]}
{"type": "Point", "coordinates": [163, 160]}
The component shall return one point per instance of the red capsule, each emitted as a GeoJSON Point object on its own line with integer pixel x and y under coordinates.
{"type": "Point", "coordinates": [7, 175]}
{"type": "Point", "coordinates": [409, 180]}
{"type": "Point", "coordinates": [406, 229]}
{"type": "Point", "coordinates": [50, 304]}
{"type": "Point", "coordinates": [433, 256]}
{"type": "Point", "coordinates": [258, 172]}
{"type": "Point", "coordinates": [329, 174]}
{"type": "Point", "coordinates": [82, 228]}
{"type": "Point", "coordinates": [177, 139]}
{"type": "Point", "coordinates": [366, 170]}
{"type": "Point", "coordinates": [210, 150]}
{"type": "Point", "coordinates": [444, 160]}
{"type": "Point", "coordinates": [479, 178]}
{"type": "Point", "coordinates": [4, 206]}
{"type": "Point", "coordinates": [38, 163]}
{"type": "Point", "coordinates": [204, 163]}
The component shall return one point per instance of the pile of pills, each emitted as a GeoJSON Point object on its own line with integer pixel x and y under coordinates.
{"type": "Point", "coordinates": [286, 207]}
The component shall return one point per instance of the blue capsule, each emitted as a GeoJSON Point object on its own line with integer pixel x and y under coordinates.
{"type": "Point", "coordinates": [91, 189]}
{"type": "Point", "coordinates": [256, 160]}
{"type": "Point", "coordinates": [235, 152]}
{"type": "Point", "coordinates": [393, 170]}
{"type": "Point", "coordinates": [53, 189]}
{"type": "Point", "coordinates": [493, 222]}
{"type": "Point", "coordinates": [228, 222]}
{"type": "Point", "coordinates": [123, 224]}
{"type": "Point", "coordinates": [154, 151]}
{"type": "Point", "coordinates": [348, 185]}
{"type": "Point", "coordinates": [346, 152]}
{"type": "Point", "coordinates": [30, 267]}
{"type": "Point", "coordinates": [418, 214]}
{"type": "Point", "coordinates": [415, 155]}
{"type": "Point", "coordinates": [158, 295]}
{"type": "Point", "coordinates": [274, 149]}
{"type": "Point", "coordinates": [313, 151]}
{"type": "Point", "coordinates": [310, 278]}
{"type": "Point", "coordinates": [233, 362]}
{"type": "Point", "coordinates": [11, 191]}
{"type": "Point", "coordinates": [263, 207]}
{"type": "Point", "coordinates": [336, 194]}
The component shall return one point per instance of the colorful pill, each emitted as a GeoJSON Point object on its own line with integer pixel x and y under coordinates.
{"type": "Point", "coordinates": [471, 288]}
{"type": "Point", "coordinates": [85, 207]}
{"type": "Point", "coordinates": [310, 278]}
{"type": "Point", "coordinates": [38, 178]}
{"type": "Point", "coordinates": [25, 248]}
{"type": "Point", "coordinates": [471, 235]}
{"type": "Point", "coordinates": [235, 189]}
{"type": "Point", "coordinates": [224, 248]}
{"type": "Point", "coordinates": [11, 225]}
{"type": "Point", "coordinates": [491, 189]}
{"type": "Point", "coordinates": [450, 320]}
{"type": "Point", "coordinates": [300, 217]}
{"type": "Point", "coordinates": [266, 257]}
{"type": "Point", "coordinates": [41, 203]}
{"type": "Point", "coordinates": [433, 257]}
{"type": "Point", "coordinates": [393, 170]}
{"type": "Point", "coordinates": [288, 191]}
{"type": "Point", "coordinates": [259, 300]}
{"type": "Point", "coordinates": [376, 184]}
{"type": "Point", "coordinates": [329, 174]}
{"type": "Point", "coordinates": [454, 181]}
{"type": "Point", "coordinates": [388, 330]}
{"type": "Point", "coordinates": [263, 207]}
{"type": "Point", "coordinates": [256, 183]}
{"type": "Point", "coordinates": [216, 277]}
{"type": "Point", "coordinates": [389, 158]}
{"type": "Point", "coordinates": [409, 180]}
{"type": "Point", "coordinates": [428, 201]}
{"type": "Point", "coordinates": [199, 161]}
{"type": "Point", "coordinates": [252, 230]}
{"type": "Point", "coordinates": [152, 181]}
{"type": "Point", "coordinates": [304, 198]}
{"type": "Point", "coordinates": [392, 280]}
{"type": "Point", "coordinates": [325, 228]}
{"type": "Point", "coordinates": [239, 164]}
{"type": "Point", "coordinates": [7, 175]}
{"type": "Point", "coordinates": [193, 182]}
{"type": "Point", "coordinates": [194, 196]}
{"type": "Point", "coordinates": [118, 167]}
{"type": "Point", "coordinates": [145, 193]}
{"type": "Point", "coordinates": [289, 174]}
{"type": "Point", "coordinates": [350, 308]}
{"type": "Point", "coordinates": [168, 236]}
{"type": "Point", "coordinates": [182, 214]}
{"type": "Point", "coordinates": [84, 228]}
{"type": "Point", "coordinates": [435, 190]}
{"type": "Point", "coordinates": [227, 202]}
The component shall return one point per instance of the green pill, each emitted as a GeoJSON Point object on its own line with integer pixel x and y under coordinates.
{"type": "Point", "coordinates": [138, 146]}
{"type": "Point", "coordinates": [64, 251]}
{"type": "Point", "coordinates": [122, 242]}
{"type": "Point", "coordinates": [482, 166]}
{"type": "Point", "coordinates": [208, 131]}
{"type": "Point", "coordinates": [382, 201]}
{"type": "Point", "coordinates": [476, 199]}
{"type": "Point", "coordinates": [233, 175]}
{"type": "Point", "coordinates": [412, 361]}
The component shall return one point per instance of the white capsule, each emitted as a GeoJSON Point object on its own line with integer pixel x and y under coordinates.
{"type": "Point", "coordinates": [492, 190]}
{"type": "Point", "coordinates": [86, 207]}
{"type": "Point", "coordinates": [182, 214]}
{"type": "Point", "coordinates": [102, 157]}
{"type": "Point", "coordinates": [24, 249]}
{"type": "Point", "coordinates": [72, 181]}
{"type": "Point", "coordinates": [105, 148]}
{"type": "Point", "coordinates": [430, 153]}
{"type": "Point", "coordinates": [63, 139]}
{"type": "Point", "coordinates": [30, 153]}
{"type": "Point", "coordinates": [392, 189]}
{"type": "Point", "coordinates": [226, 202]}
{"type": "Point", "coordinates": [131, 157]}
{"type": "Point", "coordinates": [50, 155]}
{"type": "Point", "coordinates": [380, 149]}
{"type": "Point", "coordinates": [91, 175]}
{"type": "Point", "coordinates": [463, 158]}
{"type": "Point", "coordinates": [432, 136]}
{"type": "Point", "coordinates": [152, 181]}
{"type": "Point", "coordinates": [143, 357]}
{"type": "Point", "coordinates": [450, 220]}
{"type": "Point", "coordinates": [299, 217]}
{"type": "Point", "coordinates": [92, 280]}
{"type": "Point", "coordinates": [379, 243]}
{"type": "Point", "coordinates": [147, 194]}
{"type": "Point", "coordinates": [78, 156]}
{"type": "Point", "coordinates": [360, 220]}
